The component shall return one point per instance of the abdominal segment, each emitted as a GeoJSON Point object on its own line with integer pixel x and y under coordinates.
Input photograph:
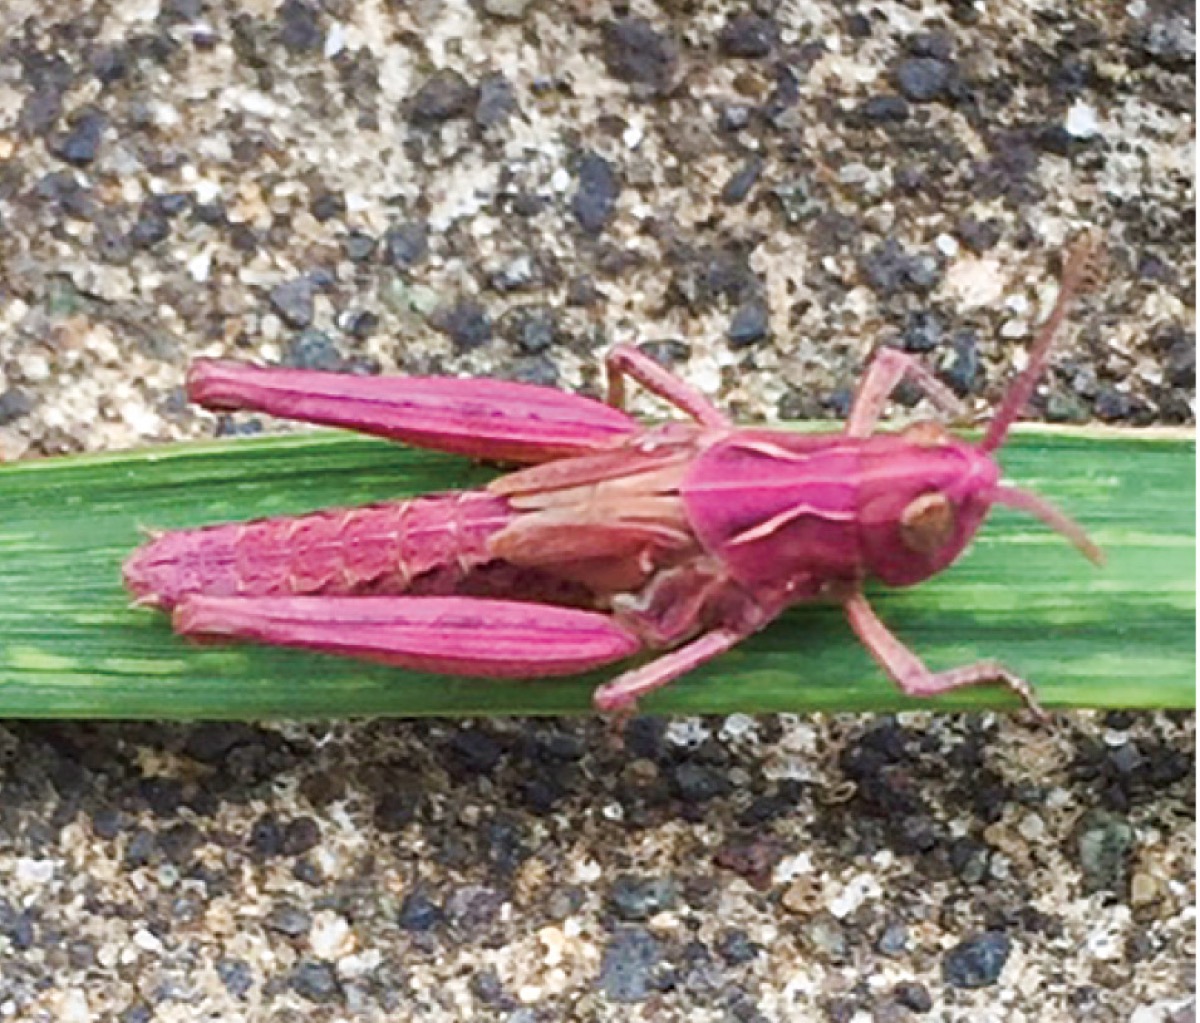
{"type": "Point", "coordinates": [431, 544]}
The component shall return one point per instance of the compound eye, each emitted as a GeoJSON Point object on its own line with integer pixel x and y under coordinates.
{"type": "Point", "coordinates": [927, 524]}
{"type": "Point", "coordinates": [926, 434]}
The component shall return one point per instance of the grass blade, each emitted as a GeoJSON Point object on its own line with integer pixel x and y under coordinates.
{"type": "Point", "coordinates": [1123, 636]}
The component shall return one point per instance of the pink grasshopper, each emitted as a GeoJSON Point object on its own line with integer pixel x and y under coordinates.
{"type": "Point", "coordinates": [683, 538]}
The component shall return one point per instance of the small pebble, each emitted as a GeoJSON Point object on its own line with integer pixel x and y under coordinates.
{"type": "Point", "coordinates": [14, 404]}
{"type": "Point", "coordinates": [293, 301]}
{"type": "Point", "coordinates": [631, 960]}
{"type": "Point", "coordinates": [358, 246]}
{"type": "Point", "coordinates": [444, 96]}
{"type": "Point", "coordinates": [639, 898]}
{"type": "Point", "coordinates": [81, 144]}
{"type": "Point", "coordinates": [923, 79]}
{"type": "Point", "coordinates": [595, 202]}
{"type": "Point", "coordinates": [497, 101]}
{"type": "Point", "coordinates": [748, 36]}
{"type": "Point", "coordinates": [1082, 122]}
{"type": "Point", "coordinates": [299, 836]}
{"type": "Point", "coordinates": [509, 10]}
{"type": "Point", "coordinates": [977, 961]}
{"type": "Point", "coordinates": [236, 974]}
{"type": "Point", "coordinates": [913, 996]}
{"type": "Point", "coordinates": [312, 349]}
{"type": "Point", "coordinates": [922, 331]}
{"type": "Point", "coordinates": [637, 53]}
{"type": "Point", "coordinates": [1143, 889]}
{"type": "Point", "coordinates": [893, 941]}
{"type": "Point", "coordinates": [466, 323]}
{"type": "Point", "coordinates": [405, 245]}
{"type": "Point", "coordinates": [289, 920]}
{"type": "Point", "coordinates": [964, 370]}
{"type": "Point", "coordinates": [738, 187]}
{"type": "Point", "coordinates": [476, 750]}
{"type": "Point", "coordinates": [533, 329]}
{"type": "Point", "coordinates": [749, 324]}
{"type": "Point", "coordinates": [1104, 842]}
{"type": "Point", "coordinates": [698, 783]}
{"type": "Point", "coordinates": [315, 981]}
{"type": "Point", "coordinates": [299, 27]}
{"type": "Point", "coordinates": [886, 109]}
{"type": "Point", "coordinates": [418, 912]}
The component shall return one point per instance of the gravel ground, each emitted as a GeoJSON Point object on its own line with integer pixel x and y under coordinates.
{"type": "Point", "coordinates": [763, 193]}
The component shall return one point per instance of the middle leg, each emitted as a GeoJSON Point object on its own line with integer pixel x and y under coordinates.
{"type": "Point", "coordinates": [625, 360]}
{"type": "Point", "coordinates": [883, 376]}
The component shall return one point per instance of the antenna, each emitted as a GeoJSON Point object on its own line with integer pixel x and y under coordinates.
{"type": "Point", "coordinates": [1014, 401]}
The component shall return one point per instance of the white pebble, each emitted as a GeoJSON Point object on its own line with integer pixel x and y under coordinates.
{"type": "Point", "coordinates": [853, 895]}
{"type": "Point", "coordinates": [335, 41]}
{"type": "Point", "coordinates": [1082, 122]}
{"type": "Point", "coordinates": [73, 1007]}
{"type": "Point", "coordinates": [206, 191]}
{"type": "Point", "coordinates": [737, 726]}
{"type": "Point", "coordinates": [947, 245]}
{"type": "Point", "coordinates": [31, 871]}
{"type": "Point", "coordinates": [560, 180]}
{"type": "Point", "coordinates": [791, 867]}
{"type": "Point", "coordinates": [147, 941]}
{"type": "Point", "coordinates": [351, 967]}
{"type": "Point", "coordinates": [1032, 827]}
{"type": "Point", "coordinates": [330, 936]}
{"type": "Point", "coordinates": [1014, 328]}
{"type": "Point", "coordinates": [689, 732]}
{"type": "Point", "coordinates": [199, 265]}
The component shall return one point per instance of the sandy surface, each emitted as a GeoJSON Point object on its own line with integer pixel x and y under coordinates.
{"type": "Point", "coordinates": [764, 194]}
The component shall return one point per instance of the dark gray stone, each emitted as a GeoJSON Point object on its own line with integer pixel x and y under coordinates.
{"type": "Point", "coordinates": [738, 187]}
{"type": "Point", "coordinates": [748, 36]}
{"type": "Point", "coordinates": [14, 404]}
{"type": "Point", "coordinates": [749, 324]}
{"type": "Point", "coordinates": [406, 244]}
{"type": "Point", "coordinates": [299, 27]}
{"type": "Point", "coordinates": [81, 144]}
{"type": "Point", "coordinates": [630, 963]}
{"type": "Point", "coordinates": [497, 101]}
{"type": "Point", "coordinates": [637, 53]}
{"type": "Point", "coordinates": [316, 981]}
{"type": "Point", "coordinates": [312, 349]}
{"type": "Point", "coordinates": [886, 109]}
{"type": "Point", "coordinates": [1104, 843]}
{"type": "Point", "coordinates": [639, 898]}
{"type": "Point", "coordinates": [977, 961]}
{"type": "Point", "coordinates": [293, 301]}
{"type": "Point", "coordinates": [418, 912]}
{"type": "Point", "coordinates": [923, 79]}
{"type": "Point", "coordinates": [444, 96]}
{"type": "Point", "coordinates": [595, 203]}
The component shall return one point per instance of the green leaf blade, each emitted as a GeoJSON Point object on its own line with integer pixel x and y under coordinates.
{"type": "Point", "coordinates": [1121, 636]}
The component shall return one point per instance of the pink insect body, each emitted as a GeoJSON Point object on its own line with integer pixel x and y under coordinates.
{"type": "Point", "coordinates": [681, 539]}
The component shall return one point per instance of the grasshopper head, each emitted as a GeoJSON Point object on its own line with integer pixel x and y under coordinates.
{"type": "Point", "coordinates": [923, 498]}
{"type": "Point", "coordinates": [919, 514]}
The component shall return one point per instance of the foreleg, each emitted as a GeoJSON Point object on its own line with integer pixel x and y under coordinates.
{"type": "Point", "coordinates": [624, 691]}
{"type": "Point", "coordinates": [625, 360]}
{"type": "Point", "coordinates": [883, 376]}
{"type": "Point", "coordinates": [910, 673]}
